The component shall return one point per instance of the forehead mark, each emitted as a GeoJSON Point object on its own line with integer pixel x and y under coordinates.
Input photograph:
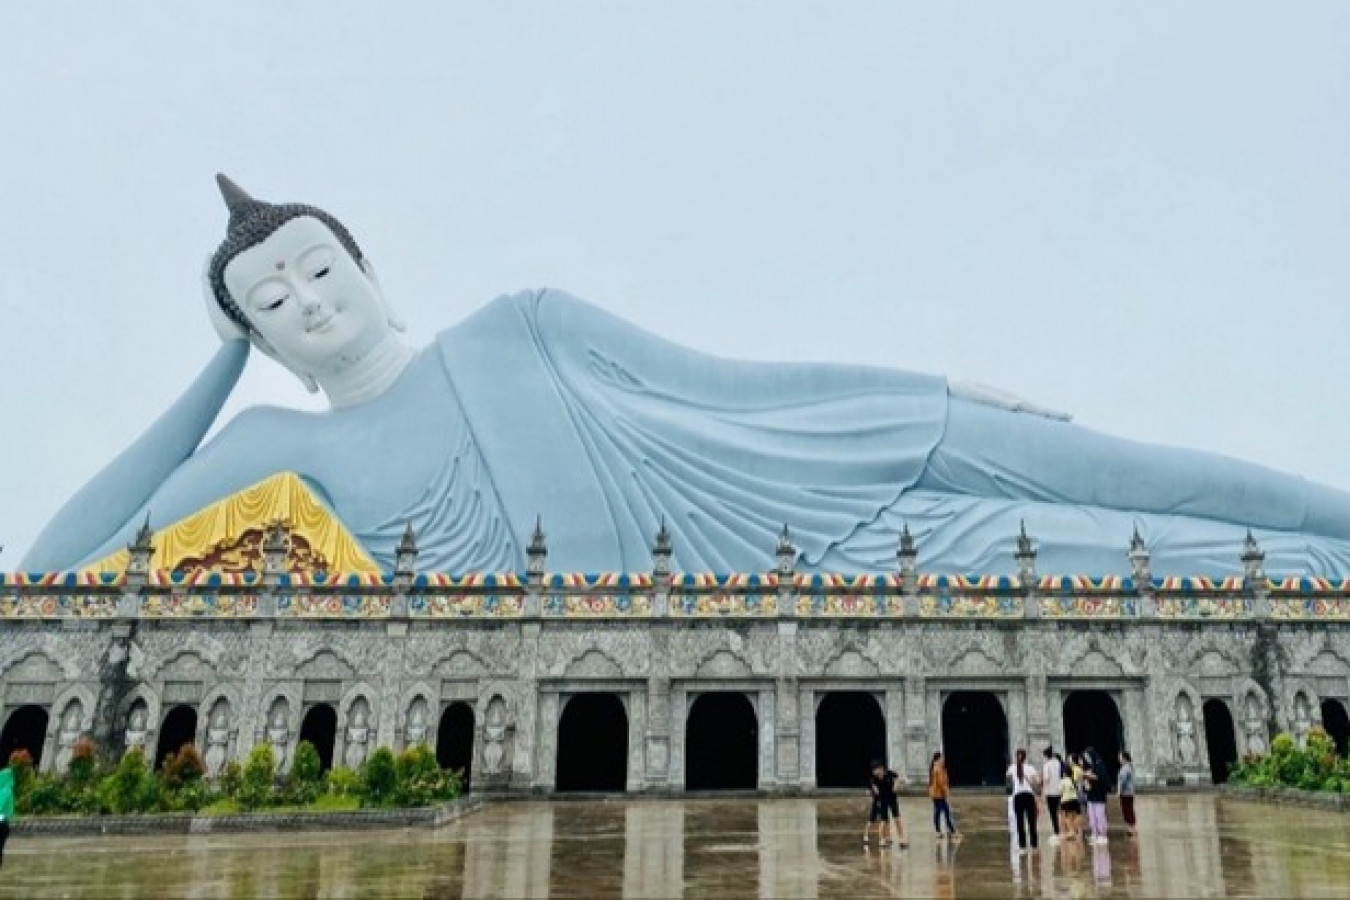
{"type": "Point", "coordinates": [281, 264]}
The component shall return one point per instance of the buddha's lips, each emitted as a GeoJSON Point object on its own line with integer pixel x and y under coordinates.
{"type": "Point", "coordinates": [321, 325]}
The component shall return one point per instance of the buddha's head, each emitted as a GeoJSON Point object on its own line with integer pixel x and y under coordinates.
{"type": "Point", "coordinates": [293, 280]}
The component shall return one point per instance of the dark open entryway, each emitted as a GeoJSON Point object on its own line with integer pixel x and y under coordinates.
{"type": "Point", "coordinates": [721, 744]}
{"type": "Point", "coordinates": [1336, 723]}
{"type": "Point", "coordinates": [319, 727]}
{"type": "Point", "coordinates": [1221, 739]}
{"type": "Point", "coordinates": [593, 744]}
{"type": "Point", "coordinates": [1092, 719]}
{"type": "Point", "coordinates": [25, 729]}
{"type": "Point", "coordinates": [974, 738]}
{"type": "Point", "coordinates": [850, 733]}
{"type": "Point", "coordinates": [179, 729]}
{"type": "Point", "coordinates": [454, 740]}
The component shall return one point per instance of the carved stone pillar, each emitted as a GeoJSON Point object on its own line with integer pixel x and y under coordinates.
{"type": "Point", "coordinates": [1039, 734]}
{"type": "Point", "coordinates": [917, 737]}
{"type": "Point", "coordinates": [390, 711]}
{"type": "Point", "coordinates": [893, 708]}
{"type": "Point", "coordinates": [658, 733]}
{"type": "Point", "coordinates": [806, 742]}
{"type": "Point", "coordinates": [788, 734]}
{"type": "Point", "coordinates": [787, 719]}
{"type": "Point", "coordinates": [527, 710]}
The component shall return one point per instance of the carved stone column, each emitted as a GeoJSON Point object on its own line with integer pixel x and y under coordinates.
{"type": "Point", "coordinates": [391, 698]}
{"type": "Point", "coordinates": [527, 708]}
{"type": "Point", "coordinates": [917, 737]}
{"type": "Point", "coordinates": [1039, 734]}
{"type": "Point", "coordinates": [806, 742]}
{"type": "Point", "coordinates": [893, 708]}
{"type": "Point", "coordinates": [658, 775]}
{"type": "Point", "coordinates": [787, 719]}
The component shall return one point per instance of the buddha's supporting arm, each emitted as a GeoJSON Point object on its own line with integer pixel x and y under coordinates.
{"type": "Point", "coordinates": [115, 494]}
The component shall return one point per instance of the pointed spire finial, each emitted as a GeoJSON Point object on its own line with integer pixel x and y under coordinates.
{"type": "Point", "coordinates": [906, 539]}
{"type": "Point", "coordinates": [663, 536]}
{"type": "Point", "coordinates": [409, 540]}
{"type": "Point", "coordinates": [1136, 540]}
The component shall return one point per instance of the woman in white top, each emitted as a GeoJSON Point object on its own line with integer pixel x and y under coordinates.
{"type": "Point", "coordinates": [1023, 779]}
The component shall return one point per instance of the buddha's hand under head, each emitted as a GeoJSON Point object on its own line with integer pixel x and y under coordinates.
{"type": "Point", "coordinates": [227, 328]}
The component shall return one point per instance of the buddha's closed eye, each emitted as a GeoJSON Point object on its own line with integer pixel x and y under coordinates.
{"type": "Point", "coordinates": [276, 303]}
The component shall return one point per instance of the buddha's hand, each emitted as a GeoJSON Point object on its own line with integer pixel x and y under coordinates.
{"type": "Point", "coordinates": [227, 328]}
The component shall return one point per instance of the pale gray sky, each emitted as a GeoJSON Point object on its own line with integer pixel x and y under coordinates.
{"type": "Point", "coordinates": [1139, 213]}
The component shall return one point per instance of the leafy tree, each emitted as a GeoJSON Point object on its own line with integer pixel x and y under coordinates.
{"type": "Point", "coordinates": [307, 767]}
{"type": "Point", "coordinates": [379, 773]}
{"type": "Point", "coordinates": [259, 777]}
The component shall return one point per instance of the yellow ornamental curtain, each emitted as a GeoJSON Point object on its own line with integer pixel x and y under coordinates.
{"type": "Point", "coordinates": [227, 536]}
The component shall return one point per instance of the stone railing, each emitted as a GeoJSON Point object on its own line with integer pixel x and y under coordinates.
{"type": "Point", "coordinates": [664, 595]}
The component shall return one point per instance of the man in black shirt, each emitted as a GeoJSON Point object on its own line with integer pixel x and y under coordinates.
{"type": "Point", "coordinates": [885, 805]}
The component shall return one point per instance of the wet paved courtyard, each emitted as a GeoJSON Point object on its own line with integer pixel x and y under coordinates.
{"type": "Point", "coordinates": [1191, 846]}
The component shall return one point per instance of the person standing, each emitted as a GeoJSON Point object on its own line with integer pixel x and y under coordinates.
{"type": "Point", "coordinates": [885, 806]}
{"type": "Point", "coordinates": [1052, 772]}
{"type": "Point", "coordinates": [6, 807]}
{"type": "Point", "coordinates": [939, 791]}
{"type": "Point", "coordinates": [1023, 779]}
{"type": "Point", "coordinates": [1070, 807]}
{"type": "Point", "coordinates": [1125, 787]}
{"type": "Point", "coordinates": [1098, 785]}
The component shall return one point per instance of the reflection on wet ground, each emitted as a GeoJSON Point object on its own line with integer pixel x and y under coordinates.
{"type": "Point", "coordinates": [1190, 846]}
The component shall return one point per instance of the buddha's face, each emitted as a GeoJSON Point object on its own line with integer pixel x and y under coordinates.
{"type": "Point", "coordinates": [313, 305]}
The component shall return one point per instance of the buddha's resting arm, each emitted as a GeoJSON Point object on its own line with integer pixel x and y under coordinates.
{"type": "Point", "coordinates": [114, 495]}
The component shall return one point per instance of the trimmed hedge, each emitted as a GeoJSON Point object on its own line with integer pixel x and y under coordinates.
{"type": "Point", "coordinates": [91, 787]}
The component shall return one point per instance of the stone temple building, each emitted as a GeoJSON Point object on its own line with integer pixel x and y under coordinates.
{"type": "Point", "coordinates": [660, 681]}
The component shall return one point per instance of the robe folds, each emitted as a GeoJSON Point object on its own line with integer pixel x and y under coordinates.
{"type": "Point", "coordinates": [541, 407]}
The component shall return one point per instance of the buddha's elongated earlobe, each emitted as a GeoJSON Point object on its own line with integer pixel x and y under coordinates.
{"type": "Point", "coordinates": [395, 320]}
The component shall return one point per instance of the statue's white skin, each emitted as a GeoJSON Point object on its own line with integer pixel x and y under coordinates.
{"type": "Point", "coordinates": [543, 403]}
{"type": "Point", "coordinates": [317, 312]}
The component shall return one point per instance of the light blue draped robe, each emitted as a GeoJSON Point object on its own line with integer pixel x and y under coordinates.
{"type": "Point", "coordinates": [540, 405]}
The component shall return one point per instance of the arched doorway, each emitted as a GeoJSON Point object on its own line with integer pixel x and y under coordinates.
{"type": "Point", "coordinates": [721, 743]}
{"type": "Point", "coordinates": [1221, 738]}
{"type": "Point", "coordinates": [593, 744]}
{"type": "Point", "coordinates": [1337, 724]}
{"type": "Point", "coordinates": [974, 738]}
{"type": "Point", "coordinates": [178, 729]}
{"type": "Point", "coordinates": [319, 727]}
{"type": "Point", "coordinates": [850, 733]}
{"type": "Point", "coordinates": [454, 740]}
{"type": "Point", "coordinates": [1092, 719]}
{"type": "Point", "coordinates": [25, 729]}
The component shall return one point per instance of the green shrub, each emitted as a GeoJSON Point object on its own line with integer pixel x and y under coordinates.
{"type": "Point", "coordinates": [183, 768]}
{"type": "Point", "coordinates": [380, 776]}
{"type": "Point", "coordinates": [83, 770]}
{"type": "Point", "coordinates": [131, 787]}
{"type": "Point", "coordinates": [21, 764]}
{"type": "Point", "coordinates": [231, 779]}
{"type": "Point", "coordinates": [420, 779]}
{"type": "Point", "coordinates": [46, 796]}
{"type": "Point", "coordinates": [258, 778]}
{"type": "Point", "coordinates": [343, 782]}
{"type": "Point", "coordinates": [307, 767]}
{"type": "Point", "coordinates": [1314, 767]}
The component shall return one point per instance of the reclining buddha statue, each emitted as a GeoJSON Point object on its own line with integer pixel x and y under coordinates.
{"type": "Point", "coordinates": [540, 406]}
